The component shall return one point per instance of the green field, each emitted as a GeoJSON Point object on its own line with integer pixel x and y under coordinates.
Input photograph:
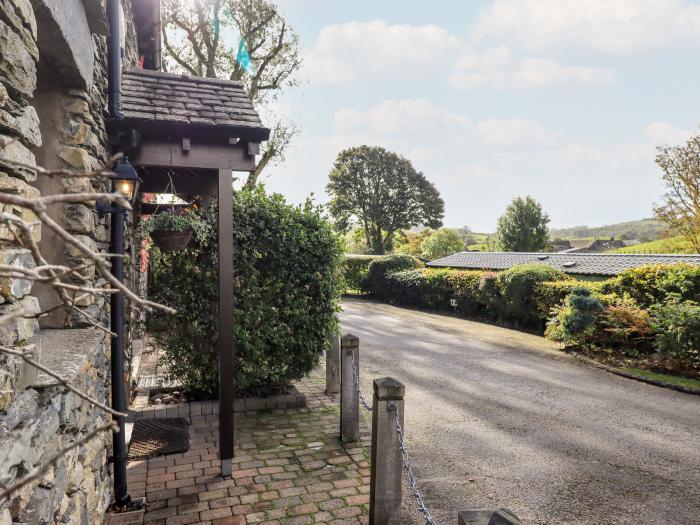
{"type": "Point", "coordinates": [670, 245]}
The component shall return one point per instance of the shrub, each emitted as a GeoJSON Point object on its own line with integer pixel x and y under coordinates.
{"type": "Point", "coordinates": [406, 288]}
{"type": "Point", "coordinates": [355, 270]}
{"type": "Point", "coordinates": [550, 294]}
{"type": "Point", "coordinates": [466, 288]}
{"type": "Point", "coordinates": [378, 270]}
{"type": "Point", "coordinates": [625, 327]}
{"type": "Point", "coordinates": [573, 322]}
{"type": "Point", "coordinates": [286, 291]}
{"type": "Point", "coordinates": [657, 283]}
{"type": "Point", "coordinates": [517, 286]}
{"type": "Point", "coordinates": [677, 327]}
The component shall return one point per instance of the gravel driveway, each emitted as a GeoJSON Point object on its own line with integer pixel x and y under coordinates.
{"type": "Point", "coordinates": [498, 418]}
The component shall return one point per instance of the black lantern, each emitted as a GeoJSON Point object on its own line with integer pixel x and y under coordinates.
{"type": "Point", "coordinates": [126, 180]}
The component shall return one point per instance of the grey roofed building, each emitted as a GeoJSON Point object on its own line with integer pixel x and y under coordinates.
{"type": "Point", "coordinates": [151, 96]}
{"type": "Point", "coordinates": [603, 264]}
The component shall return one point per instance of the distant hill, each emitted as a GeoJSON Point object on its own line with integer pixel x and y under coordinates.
{"type": "Point", "coordinates": [670, 245]}
{"type": "Point", "coordinates": [644, 230]}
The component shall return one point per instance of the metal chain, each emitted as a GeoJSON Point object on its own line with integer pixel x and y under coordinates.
{"type": "Point", "coordinates": [409, 471]}
{"type": "Point", "coordinates": [356, 378]}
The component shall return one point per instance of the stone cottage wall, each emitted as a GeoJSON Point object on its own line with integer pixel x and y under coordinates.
{"type": "Point", "coordinates": [52, 113]}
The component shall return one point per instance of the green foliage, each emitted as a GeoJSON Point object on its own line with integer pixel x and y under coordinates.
{"type": "Point", "coordinates": [381, 191]}
{"type": "Point", "coordinates": [523, 226]}
{"type": "Point", "coordinates": [355, 269]}
{"type": "Point", "coordinates": [677, 327]}
{"type": "Point", "coordinates": [441, 243]}
{"type": "Point", "coordinates": [177, 220]}
{"type": "Point", "coordinates": [574, 319]}
{"type": "Point", "coordinates": [286, 292]}
{"type": "Point", "coordinates": [517, 286]}
{"type": "Point", "coordinates": [382, 267]}
{"type": "Point", "coordinates": [550, 294]}
{"type": "Point", "coordinates": [657, 283]}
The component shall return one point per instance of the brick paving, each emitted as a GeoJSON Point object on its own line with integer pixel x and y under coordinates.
{"type": "Point", "coordinates": [289, 468]}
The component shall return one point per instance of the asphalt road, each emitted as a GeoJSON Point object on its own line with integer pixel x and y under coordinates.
{"type": "Point", "coordinates": [498, 418]}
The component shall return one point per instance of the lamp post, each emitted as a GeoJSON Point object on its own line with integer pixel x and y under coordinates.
{"type": "Point", "coordinates": [125, 182]}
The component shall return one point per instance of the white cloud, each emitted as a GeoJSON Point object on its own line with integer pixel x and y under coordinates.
{"type": "Point", "coordinates": [665, 133]}
{"type": "Point", "coordinates": [375, 50]}
{"type": "Point", "coordinates": [349, 51]}
{"type": "Point", "coordinates": [616, 26]}
{"type": "Point", "coordinates": [514, 132]}
{"type": "Point", "coordinates": [530, 73]}
{"type": "Point", "coordinates": [419, 117]}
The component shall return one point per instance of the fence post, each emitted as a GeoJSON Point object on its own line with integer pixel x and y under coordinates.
{"type": "Point", "coordinates": [349, 396]}
{"type": "Point", "coordinates": [333, 365]}
{"type": "Point", "coordinates": [385, 474]}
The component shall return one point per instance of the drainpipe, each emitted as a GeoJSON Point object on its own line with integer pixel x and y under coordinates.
{"type": "Point", "coordinates": [114, 59]}
{"type": "Point", "coordinates": [119, 403]}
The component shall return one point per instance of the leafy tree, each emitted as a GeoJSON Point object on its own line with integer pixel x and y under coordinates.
{"type": "Point", "coordinates": [681, 175]}
{"type": "Point", "coordinates": [441, 243]}
{"type": "Point", "coordinates": [383, 193]}
{"type": "Point", "coordinates": [523, 226]}
{"type": "Point", "coordinates": [193, 38]}
{"type": "Point", "coordinates": [409, 242]}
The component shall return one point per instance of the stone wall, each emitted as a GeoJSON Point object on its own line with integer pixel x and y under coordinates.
{"type": "Point", "coordinates": [45, 418]}
{"type": "Point", "coordinates": [52, 113]}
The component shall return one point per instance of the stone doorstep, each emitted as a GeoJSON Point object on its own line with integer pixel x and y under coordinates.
{"type": "Point", "coordinates": [134, 517]}
{"type": "Point", "coordinates": [293, 399]}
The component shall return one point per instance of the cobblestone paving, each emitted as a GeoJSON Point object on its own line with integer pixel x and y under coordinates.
{"type": "Point", "coordinates": [289, 468]}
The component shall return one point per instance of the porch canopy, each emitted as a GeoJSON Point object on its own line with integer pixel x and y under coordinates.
{"type": "Point", "coordinates": [194, 132]}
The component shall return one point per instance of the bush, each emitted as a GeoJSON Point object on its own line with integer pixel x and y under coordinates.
{"type": "Point", "coordinates": [625, 327]}
{"type": "Point", "coordinates": [574, 320]}
{"type": "Point", "coordinates": [677, 327]}
{"type": "Point", "coordinates": [355, 270]}
{"type": "Point", "coordinates": [517, 286]}
{"type": "Point", "coordinates": [550, 294]}
{"type": "Point", "coordinates": [286, 292]}
{"type": "Point", "coordinates": [657, 283]}
{"type": "Point", "coordinates": [378, 270]}
{"type": "Point", "coordinates": [406, 288]}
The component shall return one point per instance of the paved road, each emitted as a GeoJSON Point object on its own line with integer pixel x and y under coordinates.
{"type": "Point", "coordinates": [495, 417]}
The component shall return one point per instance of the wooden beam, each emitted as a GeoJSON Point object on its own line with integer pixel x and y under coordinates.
{"type": "Point", "coordinates": [226, 350]}
{"type": "Point", "coordinates": [201, 155]}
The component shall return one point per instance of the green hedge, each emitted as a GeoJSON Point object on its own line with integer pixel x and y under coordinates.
{"type": "Point", "coordinates": [657, 284]}
{"type": "Point", "coordinates": [376, 280]}
{"type": "Point", "coordinates": [286, 296]}
{"type": "Point", "coordinates": [355, 269]}
{"type": "Point", "coordinates": [613, 314]}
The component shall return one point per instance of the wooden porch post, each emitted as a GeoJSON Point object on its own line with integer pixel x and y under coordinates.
{"type": "Point", "coordinates": [226, 350]}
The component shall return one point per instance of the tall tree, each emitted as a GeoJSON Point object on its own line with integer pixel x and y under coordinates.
{"type": "Point", "coordinates": [382, 193]}
{"type": "Point", "coordinates": [523, 227]}
{"type": "Point", "coordinates": [194, 34]}
{"type": "Point", "coordinates": [681, 175]}
{"type": "Point", "coordinates": [441, 243]}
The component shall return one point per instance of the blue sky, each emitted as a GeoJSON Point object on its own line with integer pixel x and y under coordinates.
{"type": "Point", "coordinates": [565, 100]}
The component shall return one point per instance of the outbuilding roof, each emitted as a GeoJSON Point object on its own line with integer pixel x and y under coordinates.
{"type": "Point", "coordinates": [604, 264]}
{"type": "Point", "coordinates": [150, 97]}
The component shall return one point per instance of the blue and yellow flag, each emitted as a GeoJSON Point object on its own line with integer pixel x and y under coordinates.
{"type": "Point", "coordinates": [243, 57]}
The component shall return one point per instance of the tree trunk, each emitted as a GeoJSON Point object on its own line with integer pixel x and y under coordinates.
{"type": "Point", "coordinates": [377, 243]}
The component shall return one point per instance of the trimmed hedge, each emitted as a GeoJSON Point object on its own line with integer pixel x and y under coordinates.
{"type": "Point", "coordinates": [613, 314]}
{"type": "Point", "coordinates": [355, 269]}
{"type": "Point", "coordinates": [378, 270]}
{"type": "Point", "coordinates": [286, 296]}
{"type": "Point", "coordinates": [657, 284]}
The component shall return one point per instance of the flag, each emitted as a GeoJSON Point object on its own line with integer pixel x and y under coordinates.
{"type": "Point", "coordinates": [243, 57]}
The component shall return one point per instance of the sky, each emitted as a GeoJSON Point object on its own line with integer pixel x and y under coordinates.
{"type": "Point", "coordinates": [564, 100]}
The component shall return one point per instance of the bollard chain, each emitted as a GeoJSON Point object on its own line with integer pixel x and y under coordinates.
{"type": "Point", "coordinates": [429, 520]}
{"type": "Point", "coordinates": [356, 379]}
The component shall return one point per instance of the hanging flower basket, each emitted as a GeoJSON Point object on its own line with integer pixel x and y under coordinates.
{"type": "Point", "coordinates": [171, 240]}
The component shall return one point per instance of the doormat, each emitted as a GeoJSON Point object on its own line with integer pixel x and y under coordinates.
{"type": "Point", "coordinates": [158, 437]}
